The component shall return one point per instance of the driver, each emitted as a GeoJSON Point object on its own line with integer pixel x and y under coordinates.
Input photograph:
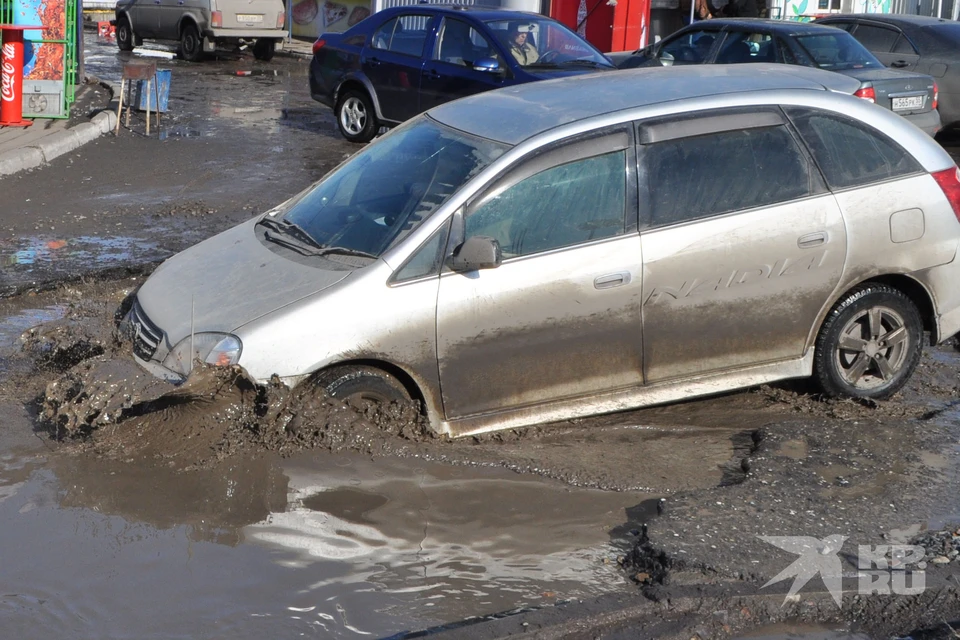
{"type": "Point", "coordinates": [524, 52]}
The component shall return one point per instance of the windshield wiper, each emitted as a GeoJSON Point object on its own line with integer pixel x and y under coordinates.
{"type": "Point", "coordinates": [291, 228]}
{"type": "Point", "coordinates": [346, 251]}
{"type": "Point", "coordinates": [291, 242]}
{"type": "Point", "coordinates": [583, 63]}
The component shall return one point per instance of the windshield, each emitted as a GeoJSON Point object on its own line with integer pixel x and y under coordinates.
{"type": "Point", "coordinates": [384, 192]}
{"type": "Point", "coordinates": [545, 44]}
{"type": "Point", "coordinates": [838, 51]}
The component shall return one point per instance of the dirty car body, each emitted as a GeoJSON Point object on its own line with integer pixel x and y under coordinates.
{"type": "Point", "coordinates": [908, 93]}
{"type": "Point", "coordinates": [524, 256]}
{"type": "Point", "coordinates": [405, 60]}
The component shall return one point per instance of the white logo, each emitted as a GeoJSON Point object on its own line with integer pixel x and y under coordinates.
{"type": "Point", "coordinates": [7, 70]}
{"type": "Point", "coordinates": [882, 569]}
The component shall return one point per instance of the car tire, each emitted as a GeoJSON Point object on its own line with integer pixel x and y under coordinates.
{"type": "Point", "coordinates": [191, 43]}
{"type": "Point", "coordinates": [356, 117]}
{"type": "Point", "coordinates": [360, 382]}
{"type": "Point", "coordinates": [869, 345]}
{"type": "Point", "coordinates": [264, 48]}
{"type": "Point", "coordinates": [126, 41]}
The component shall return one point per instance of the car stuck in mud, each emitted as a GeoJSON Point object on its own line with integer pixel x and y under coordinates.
{"type": "Point", "coordinates": [519, 257]}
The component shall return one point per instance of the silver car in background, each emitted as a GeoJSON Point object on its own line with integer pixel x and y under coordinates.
{"type": "Point", "coordinates": [529, 255]}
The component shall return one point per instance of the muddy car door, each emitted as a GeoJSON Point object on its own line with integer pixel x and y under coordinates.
{"type": "Point", "coordinates": [559, 317]}
{"type": "Point", "coordinates": [742, 243]}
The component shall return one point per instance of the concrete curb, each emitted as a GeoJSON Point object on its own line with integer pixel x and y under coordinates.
{"type": "Point", "coordinates": [57, 144]}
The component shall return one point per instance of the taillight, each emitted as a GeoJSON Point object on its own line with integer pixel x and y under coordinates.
{"type": "Point", "coordinates": [216, 19]}
{"type": "Point", "coordinates": [280, 19]}
{"type": "Point", "coordinates": [318, 45]}
{"type": "Point", "coordinates": [949, 181]}
{"type": "Point", "coordinates": [867, 93]}
{"type": "Point", "coordinates": [936, 95]}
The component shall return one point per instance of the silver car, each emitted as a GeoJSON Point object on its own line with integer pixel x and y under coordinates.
{"type": "Point", "coordinates": [580, 246]}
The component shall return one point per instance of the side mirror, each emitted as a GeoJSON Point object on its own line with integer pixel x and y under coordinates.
{"type": "Point", "coordinates": [487, 65]}
{"type": "Point", "coordinates": [477, 252]}
{"type": "Point", "coordinates": [666, 59]}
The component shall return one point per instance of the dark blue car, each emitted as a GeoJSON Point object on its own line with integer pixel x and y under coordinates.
{"type": "Point", "coordinates": [402, 61]}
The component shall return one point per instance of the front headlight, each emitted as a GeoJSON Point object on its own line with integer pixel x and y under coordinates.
{"type": "Point", "coordinates": [220, 349]}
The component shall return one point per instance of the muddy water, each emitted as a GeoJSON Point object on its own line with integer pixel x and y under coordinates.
{"type": "Point", "coordinates": [321, 545]}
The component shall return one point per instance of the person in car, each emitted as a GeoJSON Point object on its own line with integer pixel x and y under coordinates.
{"type": "Point", "coordinates": [524, 52]}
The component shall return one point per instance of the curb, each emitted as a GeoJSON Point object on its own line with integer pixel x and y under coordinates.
{"type": "Point", "coordinates": [58, 144]}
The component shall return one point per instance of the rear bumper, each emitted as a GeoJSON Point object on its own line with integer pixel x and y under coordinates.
{"type": "Point", "coordinates": [928, 122]}
{"type": "Point", "coordinates": [319, 90]}
{"type": "Point", "coordinates": [246, 34]}
{"type": "Point", "coordinates": [941, 283]}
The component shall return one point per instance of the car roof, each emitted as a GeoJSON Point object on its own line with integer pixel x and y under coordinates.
{"type": "Point", "coordinates": [514, 114]}
{"type": "Point", "coordinates": [918, 21]}
{"type": "Point", "coordinates": [783, 27]}
{"type": "Point", "coordinates": [478, 12]}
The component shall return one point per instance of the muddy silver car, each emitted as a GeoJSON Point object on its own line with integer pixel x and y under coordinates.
{"type": "Point", "coordinates": [588, 245]}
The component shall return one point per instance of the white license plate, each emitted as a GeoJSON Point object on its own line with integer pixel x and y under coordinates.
{"type": "Point", "coordinates": [249, 17]}
{"type": "Point", "coordinates": [913, 102]}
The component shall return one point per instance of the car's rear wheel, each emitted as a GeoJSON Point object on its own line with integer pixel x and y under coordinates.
{"type": "Point", "coordinates": [125, 38]}
{"type": "Point", "coordinates": [191, 44]}
{"type": "Point", "coordinates": [264, 48]}
{"type": "Point", "coordinates": [355, 116]}
{"type": "Point", "coordinates": [357, 383]}
{"type": "Point", "coordinates": [869, 344]}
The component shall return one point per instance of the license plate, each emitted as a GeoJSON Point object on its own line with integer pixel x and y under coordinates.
{"type": "Point", "coordinates": [913, 102]}
{"type": "Point", "coordinates": [249, 17]}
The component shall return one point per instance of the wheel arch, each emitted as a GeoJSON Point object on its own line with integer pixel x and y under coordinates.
{"type": "Point", "coordinates": [907, 285]}
{"type": "Point", "coordinates": [186, 19]}
{"type": "Point", "coordinates": [360, 83]}
{"type": "Point", "coordinates": [409, 381]}
{"type": "Point", "coordinates": [125, 14]}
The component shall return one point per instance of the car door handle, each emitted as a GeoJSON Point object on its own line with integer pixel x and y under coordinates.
{"type": "Point", "coordinates": [899, 64]}
{"type": "Point", "coordinates": [373, 62]}
{"type": "Point", "coordinates": [812, 240]}
{"type": "Point", "coordinates": [612, 280]}
{"type": "Point", "coordinates": [430, 73]}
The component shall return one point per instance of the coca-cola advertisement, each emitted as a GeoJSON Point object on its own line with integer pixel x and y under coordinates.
{"type": "Point", "coordinates": [7, 69]}
{"type": "Point", "coordinates": [42, 60]}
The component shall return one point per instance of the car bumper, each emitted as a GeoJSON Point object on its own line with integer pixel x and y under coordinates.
{"type": "Point", "coordinates": [942, 281]}
{"type": "Point", "coordinates": [247, 34]}
{"type": "Point", "coordinates": [928, 122]}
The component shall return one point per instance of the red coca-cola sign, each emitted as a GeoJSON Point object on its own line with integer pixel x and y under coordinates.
{"type": "Point", "coordinates": [8, 68]}
{"type": "Point", "coordinates": [11, 76]}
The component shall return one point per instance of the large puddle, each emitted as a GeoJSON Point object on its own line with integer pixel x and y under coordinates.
{"type": "Point", "coordinates": [318, 545]}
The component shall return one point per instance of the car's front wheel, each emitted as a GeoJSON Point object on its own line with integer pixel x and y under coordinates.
{"type": "Point", "coordinates": [264, 48]}
{"type": "Point", "coordinates": [125, 38]}
{"type": "Point", "coordinates": [353, 383]}
{"type": "Point", "coordinates": [355, 116]}
{"type": "Point", "coordinates": [869, 344]}
{"type": "Point", "coordinates": [191, 44]}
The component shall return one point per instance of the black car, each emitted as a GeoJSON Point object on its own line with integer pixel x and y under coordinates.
{"type": "Point", "coordinates": [402, 61]}
{"type": "Point", "coordinates": [733, 41]}
{"type": "Point", "coordinates": [913, 43]}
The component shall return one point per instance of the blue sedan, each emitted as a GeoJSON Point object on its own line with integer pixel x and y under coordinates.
{"type": "Point", "coordinates": [402, 61]}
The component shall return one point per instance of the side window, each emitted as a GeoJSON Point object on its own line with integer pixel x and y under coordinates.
{"type": "Point", "coordinates": [874, 38]}
{"type": "Point", "coordinates": [850, 153]}
{"type": "Point", "coordinates": [690, 48]}
{"type": "Point", "coordinates": [405, 34]}
{"type": "Point", "coordinates": [846, 26]}
{"type": "Point", "coordinates": [382, 36]}
{"type": "Point", "coordinates": [904, 46]}
{"type": "Point", "coordinates": [704, 175]}
{"type": "Point", "coordinates": [786, 52]}
{"type": "Point", "coordinates": [461, 44]}
{"type": "Point", "coordinates": [556, 205]}
{"type": "Point", "coordinates": [427, 260]}
{"type": "Point", "coordinates": [743, 46]}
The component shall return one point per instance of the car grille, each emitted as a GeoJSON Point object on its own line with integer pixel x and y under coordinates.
{"type": "Point", "coordinates": [146, 335]}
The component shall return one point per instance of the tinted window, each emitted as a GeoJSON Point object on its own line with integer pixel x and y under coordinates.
{"type": "Point", "coordinates": [462, 45]}
{"type": "Point", "coordinates": [846, 26]}
{"type": "Point", "coordinates": [561, 206]}
{"type": "Point", "coordinates": [848, 152]}
{"type": "Point", "coordinates": [690, 48]}
{"type": "Point", "coordinates": [904, 46]}
{"type": "Point", "coordinates": [405, 34]}
{"type": "Point", "coordinates": [741, 47]}
{"type": "Point", "coordinates": [787, 53]}
{"type": "Point", "coordinates": [837, 51]}
{"type": "Point", "coordinates": [874, 38]}
{"type": "Point", "coordinates": [694, 177]}
{"type": "Point", "coordinates": [427, 259]}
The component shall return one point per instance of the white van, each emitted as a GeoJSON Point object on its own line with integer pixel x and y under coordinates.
{"type": "Point", "coordinates": [201, 25]}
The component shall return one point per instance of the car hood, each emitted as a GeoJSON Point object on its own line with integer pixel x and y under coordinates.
{"type": "Point", "coordinates": [547, 74]}
{"type": "Point", "coordinates": [225, 282]}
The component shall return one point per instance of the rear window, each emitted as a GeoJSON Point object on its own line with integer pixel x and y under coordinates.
{"type": "Point", "coordinates": [850, 153]}
{"type": "Point", "coordinates": [837, 51]}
